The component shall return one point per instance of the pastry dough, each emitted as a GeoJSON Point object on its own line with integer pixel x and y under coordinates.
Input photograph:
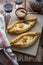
{"type": "Point", "coordinates": [25, 40]}
{"type": "Point", "coordinates": [22, 25]}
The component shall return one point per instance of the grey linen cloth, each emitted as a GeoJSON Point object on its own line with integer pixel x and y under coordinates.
{"type": "Point", "coordinates": [5, 43]}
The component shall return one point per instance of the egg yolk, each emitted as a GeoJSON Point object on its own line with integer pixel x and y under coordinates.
{"type": "Point", "coordinates": [25, 37]}
{"type": "Point", "coordinates": [20, 25]}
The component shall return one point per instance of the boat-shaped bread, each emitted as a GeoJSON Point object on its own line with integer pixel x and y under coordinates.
{"type": "Point", "coordinates": [21, 26]}
{"type": "Point", "coordinates": [25, 40]}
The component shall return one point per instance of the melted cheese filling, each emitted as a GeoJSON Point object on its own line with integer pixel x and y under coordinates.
{"type": "Point", "coordinates": [21, 41]}
{"type": "Point", "coordinates": [24, 26]}
{"type": "Point", "coordinates": [18, 28]}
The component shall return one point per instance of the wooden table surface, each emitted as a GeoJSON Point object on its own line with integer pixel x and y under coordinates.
{"type": "Point", "coordinates": [23, 57]}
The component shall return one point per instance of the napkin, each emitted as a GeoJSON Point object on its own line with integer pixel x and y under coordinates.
{"type": "Point", "coordinates": [4, 43]}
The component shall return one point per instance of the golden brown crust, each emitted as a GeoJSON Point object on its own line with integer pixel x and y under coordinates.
{"type": "Point", "coordinates": [31, 19]}
{"type": "Point", "coordinates": [12, 30]}
{"type": "Point", "coordinates": [12, 25]}
{"type": "Point", "coordinates": [35, 34]}
{"type": "Point", "coordinates": [21, 31]}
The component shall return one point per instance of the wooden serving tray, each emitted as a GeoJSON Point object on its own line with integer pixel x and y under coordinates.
{"type": "Point", "coordinates": [32, 50]}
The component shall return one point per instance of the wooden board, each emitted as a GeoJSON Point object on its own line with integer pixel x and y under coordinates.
{"type": "Point", "coordinates": [33, 49]}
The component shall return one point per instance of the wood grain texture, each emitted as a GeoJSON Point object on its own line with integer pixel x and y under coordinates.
{"type": "Point", "coordinates": [28, 58]}
{"type": "Point", "coordinates": [22, 57]}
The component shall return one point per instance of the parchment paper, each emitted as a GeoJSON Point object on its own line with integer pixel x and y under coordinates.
{"type": "Point", "coordinates": [32, 50]}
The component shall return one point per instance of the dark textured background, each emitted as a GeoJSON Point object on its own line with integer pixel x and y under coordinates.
{"type": "Point", "coordinates": [21, 57]}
